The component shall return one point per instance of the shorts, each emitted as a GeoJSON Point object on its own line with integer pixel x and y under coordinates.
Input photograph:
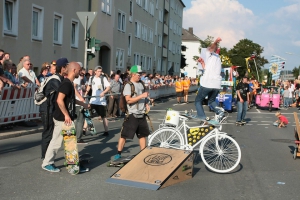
{"type": "Point", "coordinates": [179, 94]}
{"type": "Point", "coordinates": [100, 110]}
{"type": "Point", "coordinates": [185, 92]}
{"type": "Point", "coordinates": [132, 126]}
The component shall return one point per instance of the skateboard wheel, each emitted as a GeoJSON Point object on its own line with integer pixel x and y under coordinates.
{"type": "Point", "coordinates": [207, 118]}
{"type": "Point", "coordinates": [121, 165]}
{"type": "Point", "coordinates": [108, 164]}
{"type": "Point", "coordinates": [295, 153]}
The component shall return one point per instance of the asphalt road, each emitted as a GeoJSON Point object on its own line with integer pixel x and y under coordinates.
{"type": "Point", "coordinates": [267, 169]}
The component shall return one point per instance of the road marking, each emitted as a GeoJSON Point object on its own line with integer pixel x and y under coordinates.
{"type": "Point", "coordinates": [258, 110]}
{"type": "Point", "coordinates": [263, 124]}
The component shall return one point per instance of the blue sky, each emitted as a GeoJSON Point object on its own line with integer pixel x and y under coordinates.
{"type": "Point", "coordinates": [273, 24]}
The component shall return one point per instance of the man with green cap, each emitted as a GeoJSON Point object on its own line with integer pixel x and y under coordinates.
{"type": "Point", "coordinates": [137, 105]}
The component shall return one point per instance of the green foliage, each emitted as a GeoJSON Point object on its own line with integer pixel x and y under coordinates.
{"type": "Point", "coordinates": [208, 41]}
{"type": "Point", "coordinates": [295, 71]}
{"type": "Point", "coordinates": [244, 49]}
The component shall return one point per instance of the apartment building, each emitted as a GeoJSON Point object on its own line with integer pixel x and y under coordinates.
{"type": "Point", "coordinates": [192, 45]}
{"type": "Point", "coordinates": [143, 32]}
{"type": "Point", "coordinates": [45, 30]}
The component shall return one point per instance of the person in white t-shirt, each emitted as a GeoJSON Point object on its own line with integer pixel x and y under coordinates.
{"type": "Point", "coordinates": [100, 87]}
{"type": "Point", "coordinates": [211, 80]}
{"type": "Point", "coordinates": [27, 76]}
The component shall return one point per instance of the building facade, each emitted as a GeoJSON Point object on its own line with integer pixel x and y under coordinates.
{"type": "Point", "coordinates": [192, 44]}
{"type": "Point", "coordinates": [143, 32]}
{"type": "Point", "coordinates": [44, 30]}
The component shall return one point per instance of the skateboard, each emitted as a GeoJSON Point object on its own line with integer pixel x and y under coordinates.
{"type": "Point", "coordinates": [239, 124]}
{"type": "Point", "coordinates": [83, 160]}
{"type": "Point", "coordinates": [120, 162]}
{"type": "Point", "coordinates": [70, 148]}
{"type": "Point", "coordinates": [89, 121]}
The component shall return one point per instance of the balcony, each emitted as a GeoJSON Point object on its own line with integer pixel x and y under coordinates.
{"type": "Point", "coordinates": [165, 52]}
{"type": "Point", "coordinates": [166, 29]}
{"type": "Point", "coordinates": [167, 5]}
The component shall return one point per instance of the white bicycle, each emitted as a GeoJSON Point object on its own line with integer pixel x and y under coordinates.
{"type": "Point", "coordinates": [219, 152]}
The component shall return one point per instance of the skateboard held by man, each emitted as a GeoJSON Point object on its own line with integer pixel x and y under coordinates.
{"type": "Point", "coordinates": [70, 148]}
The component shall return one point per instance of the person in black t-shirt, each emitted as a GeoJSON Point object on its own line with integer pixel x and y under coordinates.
{"type": "Point", "coordinates": [243, 93]}
{"type": "Point", "coordinates": [64, 113]}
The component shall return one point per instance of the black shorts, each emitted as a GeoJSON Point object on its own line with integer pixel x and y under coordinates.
{"type": "Point", "coordinates": [132, 126]}
{"type": "Point", "coordinates": [100, 110]}
{"type": "Point", "coordinates": [179, 94]}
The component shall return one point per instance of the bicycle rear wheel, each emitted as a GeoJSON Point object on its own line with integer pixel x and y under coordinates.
{"type": "Point", "coordinates": [167, 138]}
{"type": "Point", "coordinates": [223, 160]}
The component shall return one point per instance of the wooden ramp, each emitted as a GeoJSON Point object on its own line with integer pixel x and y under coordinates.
{"type": "Point", "coordinates": [155, 168]}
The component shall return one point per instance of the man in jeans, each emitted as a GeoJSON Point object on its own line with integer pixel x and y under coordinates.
{"type": "Point", "coordinates": [210, 82]}
{"type": "Point", "coordinates": [113, 103]}
{"type": "Point", "coordinates": [64, 113]}
{"type": "Point", "coordinates": [243, 95]}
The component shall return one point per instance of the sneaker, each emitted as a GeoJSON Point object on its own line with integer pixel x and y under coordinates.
{"type": "Point", "coordinates": [213, 122]}
{"type": "Point", "coordinates": [83, 169]}
{"type": "Point", "coordinates": [51, 168]}
{"type": "Point", "coordinates": [238, 123]}
{"type": "Point", "coordinates": [81, 141]}
{"type": "Point", "coordinates": [243, 122]}
{"type": "Point", "coordinates": [117, 156]}
{"type": "Point", "coordinates": [105, 134]}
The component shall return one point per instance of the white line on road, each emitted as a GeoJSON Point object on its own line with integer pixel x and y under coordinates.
{"type": "Point", "coordinates": [258, 110]}
{"type": "Point", "coordinates": [263, 124]}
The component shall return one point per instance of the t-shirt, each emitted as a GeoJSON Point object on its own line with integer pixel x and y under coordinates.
{"type": "Point", "coordinates": [77, 81]}
{"type": "Point", "coordinates": [243, 88]}
{"type": "Point", "coordinates": [138, 107]}
{"type": "Point", "coordinates": [97, 89]}
{"type": "Point", "coordinates": [41, 78]}
{"type": "Point", "coordinates": [211, 77]}
{"type": "Point", "coordinates": [250, 87]}
{"type": "Point", "coordinates": [286, 93]}
{"type": "Point", "coordinates": [291, 92]}
{"type": "Point", "coordinates": [29, 74]}
{"type": "Point", "coordinates": [283, 119]}
{"type": "Point", "coordinates": [66, 87]}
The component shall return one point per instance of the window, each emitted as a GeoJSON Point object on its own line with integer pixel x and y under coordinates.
{"type": "Point", "coordinates": [10, 17]}
{"type": "Point", "coordinates": [106, 6]}
{"type": "Point", "coordinates": [137, 31]}
{"type": "Point", "coordinates": [154, 52]}
{"type": "Point", "coordinates": [130, 11]}
{"type": "Point", "coordinates": [170, 45]}
{"type": "Point", "coordinates": [150, 36]}
{"type": "Point", "coordinates": [155, 27]}
{"type": "Point", "coordinates": [160, 15]}
{"type": "Point", "coordinates": [121, 21]}
{"type": "Point", "coordinates": [158, 67]}
{"type": "Point", "coordinates": [149, 63]}
{"type": "Point", "coordinates": [57, 29]}
{"type": "Point", "coordinates": [139, 2]}
{"type": "Point", "coordinates": [74, 33]}
{"type": "Point", "coordinates": [119, 58]}
{"type": "Point", "coordinates": [129, 45]}
{"type": "Point", "coordinates": [144, 32]}
{"type": "Point", "coordinates": [159, 40]}
{"type": "Point", "coordinates": [136, 58]}
{"type": "Point", "coordinates": [171, 24]}
{"type": "Point", "coordinates": [142, 61]}
{"type": "Point", "coordinates": [174, 47]}
{"type": "Point", "coordinates": [156, 4]}
{"type": "Point", "coordinates": [37, 22]}
{"type": "Point", "coordinates": [151, 8]}
{"type": "Point", "coordinates": [146, 3]}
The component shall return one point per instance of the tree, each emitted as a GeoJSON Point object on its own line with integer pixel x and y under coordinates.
{"type": "Point", "coordinates": [295, 71]}
{"type": "Point", "coordinates": [244, 49]}
{"type": "Point", "coordinates": [208, 41]}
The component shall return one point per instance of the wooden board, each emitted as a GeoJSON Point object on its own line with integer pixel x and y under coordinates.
{"type": "Point", "coordinates": [155, 168]}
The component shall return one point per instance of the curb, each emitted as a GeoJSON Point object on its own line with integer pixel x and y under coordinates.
{"type": "Point", "coordinates": [20, 133]}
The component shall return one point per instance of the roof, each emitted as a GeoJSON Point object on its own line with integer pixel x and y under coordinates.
{"type": "Point", "coordinates": [187, 35]}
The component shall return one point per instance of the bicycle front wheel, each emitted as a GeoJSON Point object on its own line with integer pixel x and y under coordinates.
{"type": "Point", "coordinates": [220, 153]}
{"type": "Point", "coordinates": [167, 138]}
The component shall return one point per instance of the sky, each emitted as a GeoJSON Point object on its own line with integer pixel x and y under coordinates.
{"type": "Point", "coordinates": [273, 24]}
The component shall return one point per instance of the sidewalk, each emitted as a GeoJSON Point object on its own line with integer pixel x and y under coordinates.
{"type": "Point", "coordinates": [18, 130]}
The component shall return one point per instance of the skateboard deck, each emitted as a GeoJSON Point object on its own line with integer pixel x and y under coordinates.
{"type": "Point", "coordinates": [89, 121]}
{"type": "Point", "coordinates": [70, 149]}
{"type": "Point", "coordinates": [120, 162]}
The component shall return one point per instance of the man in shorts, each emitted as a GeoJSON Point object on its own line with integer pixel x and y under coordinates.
{"type": "Point", "coordinates": [100, 86]}
{"type": "Point", "coordinates": [179, 89]}
{"type": "Point", "coordinates": [135, 122]}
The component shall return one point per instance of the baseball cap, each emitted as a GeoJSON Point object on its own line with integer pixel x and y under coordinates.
{"type": "Point", "coordinates": [136, 69]}
{"type": "Point", "coordinates": [62, 62]}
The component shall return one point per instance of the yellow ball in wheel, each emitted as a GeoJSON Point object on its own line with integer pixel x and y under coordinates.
{"type": "Point", "coordinates": [189, 135]}
{"type": "Point", "coordinates": [203, 134]}
{"type": "Point", "coordinates": [206, 130]}
{"type": "Point", "coordinates": [198, 137]}
{"type": "Point", "coordinates": [194, 141]}
{"type": "Point", "coordinates": [190, 139]}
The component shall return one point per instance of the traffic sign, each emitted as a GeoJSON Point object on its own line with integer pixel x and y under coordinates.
{"type": "Point", "coordinates": [86, 17]}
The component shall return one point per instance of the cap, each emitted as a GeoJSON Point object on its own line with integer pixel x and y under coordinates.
{"type": "Point", "coordinates": [136, 69]}
{"type": "Point", "coordinates": [53, 62]}
{"type": "Point", "coordinates": [62, 62]}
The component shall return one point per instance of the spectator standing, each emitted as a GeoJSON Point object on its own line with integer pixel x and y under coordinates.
{"type": "Point", "coordinates": [47, 108]}
{"type": "Point", "coordinates": [100, 86]}
{"type": "Point", "coordinates": [64, 113]}
{"type": "Point", "coordinates": [286, 95]}
{"type": "Point", "coordinates": [21, 65]}
{"type": "Point", "coordinates": [113, 103]}
{"type": "Point", "coordinates": [179, 89]}
{"type": "Point", "coordinates": [44, 71]}
{"type": "Point", "coordinates": [26, 75]}
{"type": "Point", "coordinates": [242, 90]}
{"type": "Point", "coordinates": [186, 86]}
{"type": "Point", "coordinates": [52, 68]}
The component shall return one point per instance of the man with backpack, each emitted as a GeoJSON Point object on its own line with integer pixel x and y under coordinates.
{"type": "Point", "coordinates": [50, 89]}
{"type": "Point", "coordinates": [137, 106]}
{"type": "Point", "coordinates": [100, 87]}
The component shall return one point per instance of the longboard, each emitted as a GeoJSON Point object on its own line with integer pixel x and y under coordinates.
{"type": "Point", "coordinates": [120, 162]}
{"type": "Point", "coordinates": [70, 148]}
